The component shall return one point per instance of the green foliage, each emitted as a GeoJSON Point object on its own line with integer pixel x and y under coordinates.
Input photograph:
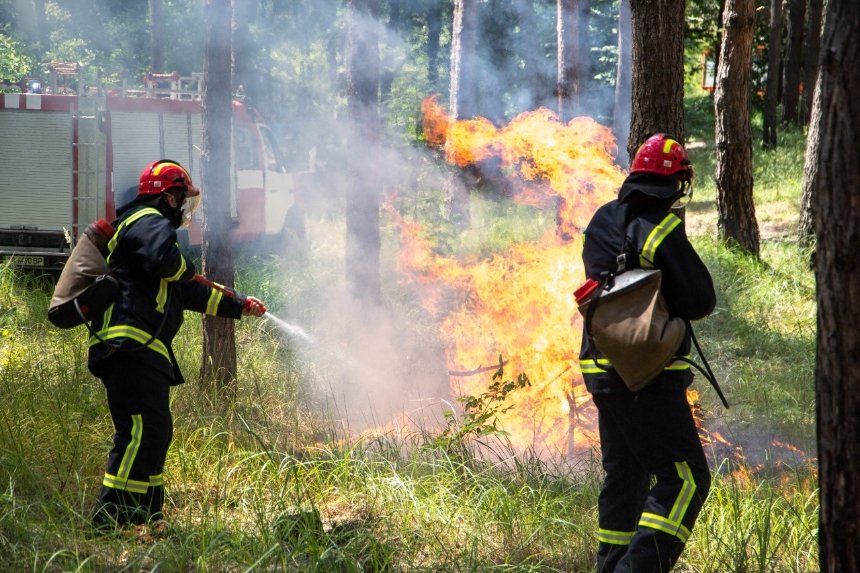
{"type": "Point", "coordinates": [15, 63]}
{"type": "Point", "coordinates": [480, 413]}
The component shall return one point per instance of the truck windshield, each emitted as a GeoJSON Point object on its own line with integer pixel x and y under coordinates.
{"type": "Point", "coordinates": [247, 156]}
{"type": "Point", "coordinates": [274, 158]}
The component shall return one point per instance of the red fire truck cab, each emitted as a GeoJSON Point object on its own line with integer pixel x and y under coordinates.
{"type": "Point", "coordinates": [71, 159]}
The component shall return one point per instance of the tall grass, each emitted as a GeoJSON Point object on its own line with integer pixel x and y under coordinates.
{"type": "Point", "coordinates": [270, 483]}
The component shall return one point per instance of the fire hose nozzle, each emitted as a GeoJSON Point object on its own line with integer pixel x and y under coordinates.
{"type": "Point", "coordinates": [250, 305]}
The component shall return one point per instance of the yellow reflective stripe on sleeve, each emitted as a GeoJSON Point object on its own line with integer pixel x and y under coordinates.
{"type": "Point", "coordinates": [161, 297]}
{"type": "Point", "coordinates": [655, 238]}
{"type": "Point", "coordinates": [136, 334]}
{"type": "Point", "coordinates": [132, 447]}
{"type": "Point", "coordinates": [156, 480]}
{"type": "Point", "coordinates": [214, 301]}
{"type": "Point", "coordinates": [129, 221]}
{"type": "Point", "coordinates": [614, 537]}
{"type": "Point", "coordinates": [592, 367]}
{"type": "Point", "coordinates": [183, 266]}
{"type": "Point", "coordinates": [672, 524]}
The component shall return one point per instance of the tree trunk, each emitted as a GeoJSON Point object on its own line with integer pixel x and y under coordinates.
{"type": "Point", "coordinates": [733, 135]}
{"type": "Point", "coordinates": [808, 196]}
{"type": "Point", "coordinates": [811, 55]}
{"type": "Point", "coordinates": [362, 196]}
{"type": "Point", "coordinates": [658, 82]}
{"type": "Point", "coordinates": [156, 36]}
{"type": "Point", "coordinates": [771, 89]}
{"type": "Point", "coordinates": [623, 78]}
{"type": "Point", "coordinates": [793, 62]}
{"type": "Point", "coordinates": [434, 32]}
{"type": "Point", "coordinates": [245, 73]}
{"type": "Point", "coordinates": [837, 371]}
{"type": "Point", "coordinates": [462, 100]}
{"type": "Point", "coordinates": [532, 53]}
{"type": "Point", "coordinates": [572, 39]}
{"type": "Point", "coordinates": [219, 339]}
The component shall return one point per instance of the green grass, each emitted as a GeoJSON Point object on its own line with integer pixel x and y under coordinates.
{"type": "Point", "coordinates": [273, 481]}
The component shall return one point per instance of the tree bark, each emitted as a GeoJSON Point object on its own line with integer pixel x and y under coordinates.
{"type": "Point", "coordinates": [809, 193]}
{"type": "Point", "coordinates": [658, 82]}
{"type": "Point", "coordinates": [837, 371]}
{"type": "Point", "coordinates": [434, 32]}
{"type": "Point", "coordinates": [733, 135]}
{"type": "Point", "coordinates": [623, 78]}
{"type": "Point", "coordinates": [219, 339]}
{"type": "Point", "coordinates": [462, 100]}
{"type": "Point", "coordinates": [156, 36]}
{"type": "Point", "coordinates": [362, 196]}
{"type": "Point", "coordinates": [793, 62]}
{"type": "Point", "coordinates": [771, 89]}
{"type": "Point", "coordinates": [811, 55]}
{"type": "Point", "coordinates": [245, 73]}
{"type": "Point", "coordinates": [572, 40]}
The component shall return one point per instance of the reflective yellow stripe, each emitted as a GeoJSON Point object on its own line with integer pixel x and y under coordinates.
{"type": "Point", "coordinates": [131, 485]}
{"type": "Point", "coordinates": [682, 503]}
{"type": "Point", "coordinates": [603, 364]}
{"type": "Point", "coordinates": [214, 301]}
{"type": "Point", "coordinates": [614, 537]}
{"type": "Point", "coordinates": [592, 367]}
{"type": "Point", "coordinates": [667, 145]}
{"type": "Point", "coordinates": [672, 524]}
{"type": "Point", "coordinates": [161, 297]}
{"type": "Point", "coordinates": [156, 480]}
{"type": "Point", "coordinates": [136, 334]}
{"type": "Point", "coordinates": [679, 364]}
{"type": "Point", "coordinates": [655, 237]}
{"type": "Point", "coordinates": [182, 267]}
{"type": "Point", "coordinates": [131, 448]}
{"type": "Point", "coordinates": [142, 213]}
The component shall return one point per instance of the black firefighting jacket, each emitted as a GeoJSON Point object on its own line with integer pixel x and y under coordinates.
{"type": "Point", "coordinates": [658, 238]}
{"type": "Point", "coordinates": [155, 288]}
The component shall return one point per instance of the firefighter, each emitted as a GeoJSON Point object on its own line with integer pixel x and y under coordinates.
{"type": "Point", "coordinates": [648, 435]}
{"type": "Point", "coordinates": [130, 350]}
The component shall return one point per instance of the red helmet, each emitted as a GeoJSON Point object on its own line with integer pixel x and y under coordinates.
{"type": "Point", "coordinates": [662, 155]}
{"type": "Point", "coordinates": [164, 174]}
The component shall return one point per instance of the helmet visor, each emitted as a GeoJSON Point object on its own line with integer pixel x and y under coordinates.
{"type": "Point", "coordinates": [189, 207]}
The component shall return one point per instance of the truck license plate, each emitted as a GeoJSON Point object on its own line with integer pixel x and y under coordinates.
{"type": "Point", "coordinates": [28, 261]}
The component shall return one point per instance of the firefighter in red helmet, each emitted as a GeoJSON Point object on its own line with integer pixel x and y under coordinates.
{"type": "Point", "coordinates": [656, 474]}
{"type": "Point", "coordinates": [130, 350]}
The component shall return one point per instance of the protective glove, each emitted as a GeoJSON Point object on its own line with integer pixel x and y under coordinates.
{"type": "Point", "coordinates": [253, 307]}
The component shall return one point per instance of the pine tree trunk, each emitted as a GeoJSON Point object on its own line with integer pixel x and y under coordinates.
{"type": "Point", "coordinates": [771, 90]}
{"type": "Point", "coordinates": [809, 193]}
{"type": "Point", "coordinates": [623, 78]}
{"type": "Point", "coordinates": [462, 100]}
{"type": "Point", "coordinates": [219, 339]}
{"type": "Point", "coordinates": [837, 372]}
{"type": "Point", "coordinates": [572, 39]}
{"type": "Point", "coordinates": [434, 32]}
{"type": "Point", "coordinates": [733, 135]}
{"type": "Point", "coordinates": [156, 36]}
{"type": "Point", "coordinates": [658, 82]}
{"type": "Point", "coordinates": [793, 62]}
{"type": "Point", "coordinates": [362, 196]}
{"type": "Point", "coordinates": [811, 55]}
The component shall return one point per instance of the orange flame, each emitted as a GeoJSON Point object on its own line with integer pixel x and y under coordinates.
{"type": "Point", "coordinates": [519, 303]}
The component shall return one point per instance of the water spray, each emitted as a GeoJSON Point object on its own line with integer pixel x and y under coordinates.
{"type": "Point", "coordinates": [282, 325]}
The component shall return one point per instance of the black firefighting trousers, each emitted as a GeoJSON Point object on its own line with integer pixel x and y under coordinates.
{"type": "Point", "coordinates": [644, 524]}
{"type": "Point", "coordinates": [133, 485]}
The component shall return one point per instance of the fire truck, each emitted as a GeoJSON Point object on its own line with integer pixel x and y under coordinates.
{"type": "Point", "coordinates": [71, 158]}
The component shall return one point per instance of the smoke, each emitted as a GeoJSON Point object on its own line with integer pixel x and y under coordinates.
{"type": "Point", "coordinates": [375, 365]}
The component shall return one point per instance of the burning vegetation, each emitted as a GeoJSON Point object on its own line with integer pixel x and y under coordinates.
{"type": "Point", "coordinates": [519, 303]}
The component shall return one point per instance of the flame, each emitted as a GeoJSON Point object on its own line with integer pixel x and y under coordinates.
{"type": "Point", "coordinates": [519, 303]}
